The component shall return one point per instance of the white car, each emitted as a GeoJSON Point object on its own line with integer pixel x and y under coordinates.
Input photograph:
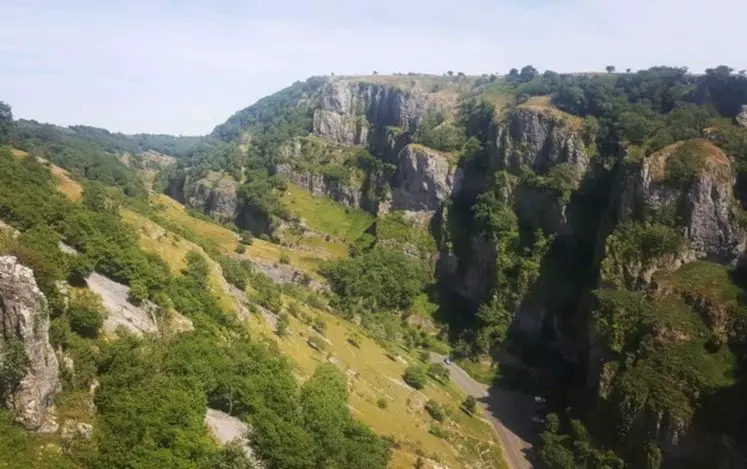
{"type": "Point", "coordinates": [539, 400]}
{"type": "Point", "coordinates": [538, 420]}
{"type": "Point", "coordinates": [447, 360]}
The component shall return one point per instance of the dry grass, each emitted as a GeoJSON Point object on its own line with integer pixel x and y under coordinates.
{"type": "Point", "coordinates": [715, 160]}
{"type": "Point", "coordinates": [65, 183]}
{"type": "Point", "coordinates": [544, 104]}
{"type": "Point", "coordinates": [172, 248]}
{"type": "Point", "coordinates": [372, 375]}
{"type": "Point", "coordinates": [227, 240]}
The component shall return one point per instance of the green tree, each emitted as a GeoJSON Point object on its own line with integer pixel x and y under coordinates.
{"type": "Point", "coordinates": [416, 376]}
{"type": "Point", "coordinates": [470, 404]}
{"type": "Point", "coordinates": [86, 314]}
{"type": "Point", "coordinates": [13, 366]}
{"type": "Point", "coordinates": [439, 372]}
{"type": "Point", "coordinates": [6, 123]}
{"type": "Point", "coordinates": [282, 324]}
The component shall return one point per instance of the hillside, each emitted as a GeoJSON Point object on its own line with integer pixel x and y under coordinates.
{"type": "Point", "coordinates": [302, 271]}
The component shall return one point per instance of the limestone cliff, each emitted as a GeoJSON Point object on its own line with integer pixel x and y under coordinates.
{"type": "Point", "coordinates": [214, 193]}
{"type": "Point", "coordinates": [424, 180]}
{"type": "Point", "coordinates": [24, 320]}
{"type": "Point", "coordinates": [349, 107]}
{"type": "Point", "coordinates": [704, 207]}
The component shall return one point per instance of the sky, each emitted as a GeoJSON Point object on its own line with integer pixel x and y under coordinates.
{"type": "Point", "coordinates": [183, 66]}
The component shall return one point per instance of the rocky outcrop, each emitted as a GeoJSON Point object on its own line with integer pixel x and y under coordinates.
{"type": "Point", "coordinates": [136, 319]}
{"type": "Point", "coordinates": [741, 117]}
{"type": "Point", "coordinates": [538, 139]}
{"type": "Point", "coordinates": [349, 106]}
{"type": "Point", "coordinates": [321, 185]}
{"type": "Point", "coordinates": [214, 193]}
{"type": "Point", "coordinates": [425, 178]}
{"type": "Point", "coordinates": [705, 208]}
{"type": "Point", "coordinates": [24, 321]}
{"type": "Point", "coordinates": [228, 429]}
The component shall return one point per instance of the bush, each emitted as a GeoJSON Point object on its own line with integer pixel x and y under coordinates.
{"type": "Point", "coordinates": [470, 404]}
{"type": "Point", "coordinates": [246, 238]}
{"type": "Point", "coordinates": [415, 376]}
{"type": "Point", "coordinates": [435, 410]}
{"type": "Point", "coordinates": [284, 258]}
{"type": "Point", "coordinates": [439, 372]}
{"type": "Point", "coordinates": [282, 325]}
{"type": "Point", "coordinates": [240, 249]}
{"type": "Point", "coordinates": [320, 325]}
{"type": "Point", "coordinates": [382, 403]}
{"type": "Point", "coordinates": [138, 292]}
{"type": "Point", "coordinates": [86, 314]}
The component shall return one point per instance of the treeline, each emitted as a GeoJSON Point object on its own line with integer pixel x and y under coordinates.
{"type": "Point", "coordinates": [153, 393]}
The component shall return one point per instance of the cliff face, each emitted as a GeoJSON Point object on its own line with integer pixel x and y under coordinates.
{"type": "Point", "coordinates": [348, 107]}
{"type": "Point", "coordinates": [215, 193]}
{"type": "Point", "coordinates": [424, 180]}
{"type": "Point", "coordinates": [24, 321]}
{"type": "Point", "coordinates": [544, 161]}
{"type": "Point", "coordinates": [705, 207]}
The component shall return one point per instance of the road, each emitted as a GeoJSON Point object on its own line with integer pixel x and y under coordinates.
{"type": "Point", "coordinates": [515, 410]}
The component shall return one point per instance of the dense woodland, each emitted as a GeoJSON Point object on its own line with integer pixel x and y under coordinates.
{"type": "Point", "coordinates": [624, 117]}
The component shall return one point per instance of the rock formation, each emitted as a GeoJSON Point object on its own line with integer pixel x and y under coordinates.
{"type": "Point", "coordinates": [424, 180]}
{"type": "Point", "coordinates": [24, 320]}
{"type": "Point", "coordinates": [741, 117]}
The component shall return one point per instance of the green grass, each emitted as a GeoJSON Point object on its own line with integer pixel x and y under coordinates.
{"type": "Point", "coordinates": [394, 230]}
{"type": "Point", "coordinates": [324, 215]}
{"type": "Point", "coordinates": [705, 279]}
{"type": "Point", "coordinates": [485, 373]}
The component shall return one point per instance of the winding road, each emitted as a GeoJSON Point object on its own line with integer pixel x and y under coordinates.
{"type": "Point", "coordinates": [509, 412]}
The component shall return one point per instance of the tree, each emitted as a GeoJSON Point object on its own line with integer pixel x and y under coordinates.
{"type": "Point", "coordinates": [86, 313]}
{"type": "Point", "coordinates": [6, 123]}
{"type": "Point", "coordinates": [435, 410]}
{"type": "Point", "coordinates": [528, 73]}
{"type": "Point", "coordinates": [470, 404]}
{"type": "Point", "coordinates": [416, 376]}
{"type": "Point", "coordinates": [450, 73]}
{"type": "Point", "coordinates": [610, 68]}
{"type": "Point", "coordinates": [439, 372]}
{"type": "Point", "coordinates": [13, 365]}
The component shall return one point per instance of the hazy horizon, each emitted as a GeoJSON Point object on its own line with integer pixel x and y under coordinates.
{"type": "Point", "coordinates": [182, 68]}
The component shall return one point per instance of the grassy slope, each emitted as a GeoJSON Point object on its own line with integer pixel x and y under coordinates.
{"type": "Point", "coordinates": [372, 374]}
{"type": "Point", "coordinates": [65, 183]}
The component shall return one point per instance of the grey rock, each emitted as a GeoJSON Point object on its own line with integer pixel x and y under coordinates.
{"type": "Point", "coordinates": [215, 193]}
{"type": "Point", "coordinates": [537, 139]}
{"type": "Point", "coordinates": [347, 104]}
{"type": "Point", "coordinates": [425, 179]}
{"type": "Point", "coordinates": [321, 186]}
{"type": "Point", "coordinates": [706, 209]}
{"type": "Point", "coordinates": [136, 319]}
{"type": "Point", "coordinates": [228, 429]}
{"type": "Point", "coordinates": [741, 117]}
{"type": "Point", "coordinates": [24, 317]}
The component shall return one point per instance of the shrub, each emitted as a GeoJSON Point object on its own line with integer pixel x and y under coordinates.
{"type": "Point", "coordinates": [284, 258]}
{"type": "Point", "coordinates": [86, 314]}
{"type": "Point", "coordinates": [281, 327]}
{"type": "Point", "coordinates": [246, 238]}
{"type": "Point", "coordinates": [382, 403]}
{"type": "Point", "coordinates": [138, 292]}
{"type": "Point", "coordinates": [415, 376]}
{"type": "Point", "coordinates": [435, 410]}
{"type": "Point", "coordinates": [439, 372]}
{"type": "Point", "coordinates": [320, 325]}
{"type": "Point", "coordinates": [470, 404]}
{"type": "Point", "coordinates": [240, 249]}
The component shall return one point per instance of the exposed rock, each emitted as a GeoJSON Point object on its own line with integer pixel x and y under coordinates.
{"type": "Point", "coordinates": [539, 140]}
{"type": "Point", "coordinates": [72, 429]}
{"type": "Point", "coordinates": [425, 178]}
{"type": "Point", "coordinates": [24, 318]}
{"type": "Point", "coordinates": [215, 194]}
{"type": "Point", "coordinates": [347, 105]}
{"type": "Point", "coordinates": [741, 117]}
{"type": "Point", "coordinates": [179, 323]}
{"type": "Point", "coordinates": [227, 429]}
{"type": "Point", "coordinates": [6, 227]}
{"type": "Point", "coordinates": [322, 186]}
{"type": "Point", "coordinates": [136, 319]}
{"type": "Point", "coordinates": [706, 208]}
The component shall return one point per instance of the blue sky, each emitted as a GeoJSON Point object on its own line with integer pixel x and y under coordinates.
{"type": "Point", "coordinates": [182, 67]}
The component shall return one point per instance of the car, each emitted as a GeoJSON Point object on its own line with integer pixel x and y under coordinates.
{"type": "Point", "coordinates": [540, 400]}
{"type": "Point", "coordinates": [447, 360]}
{"type": "Point", "coordinates": [538, 420]}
